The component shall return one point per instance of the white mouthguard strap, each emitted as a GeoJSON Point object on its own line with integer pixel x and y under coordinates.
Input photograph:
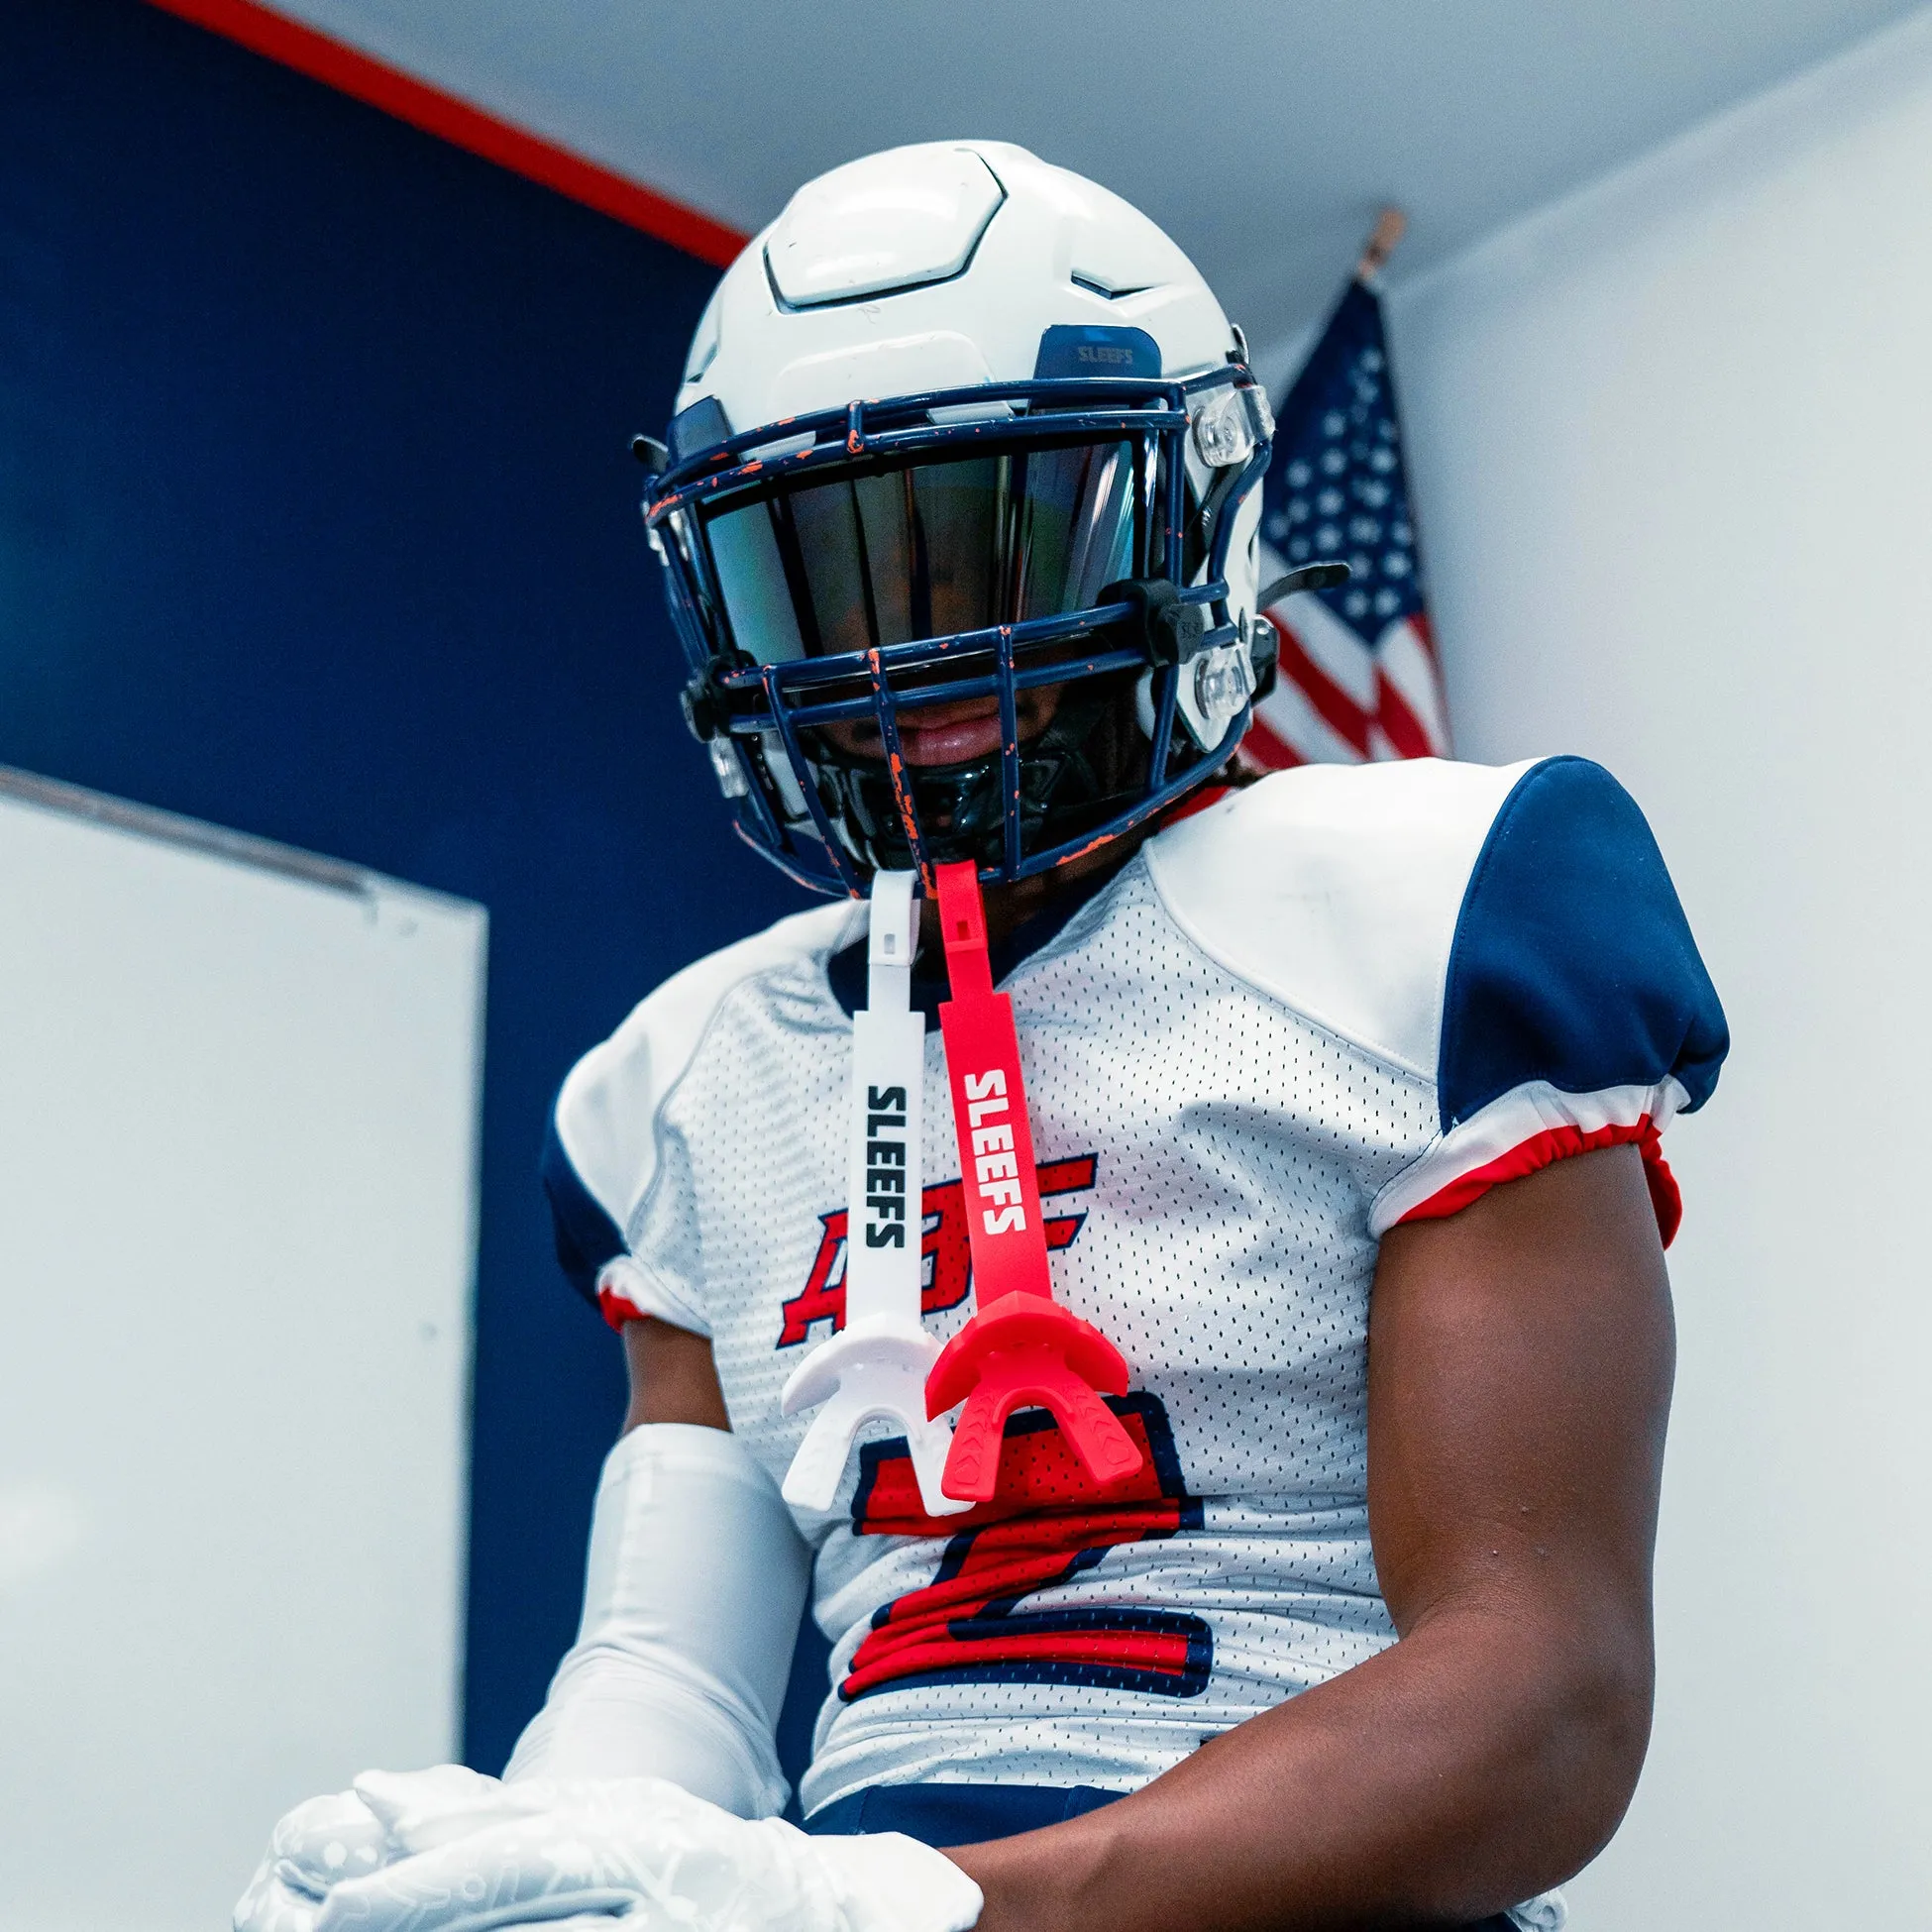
{"type": "Point", "coordinates": [876, 1365]}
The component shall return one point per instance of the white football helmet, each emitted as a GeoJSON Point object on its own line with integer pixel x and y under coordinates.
{"type": "Point", "coordinates": [962, 424]}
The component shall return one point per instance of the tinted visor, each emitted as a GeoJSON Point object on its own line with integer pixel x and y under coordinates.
{"type": "Point", "coordinates": [926, 549]}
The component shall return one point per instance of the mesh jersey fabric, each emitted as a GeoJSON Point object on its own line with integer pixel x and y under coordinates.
{"type": "Point", "coordinates": [1233, 1056]}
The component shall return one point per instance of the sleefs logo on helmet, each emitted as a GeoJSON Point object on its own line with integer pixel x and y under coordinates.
{"type": "Point", "coordinates": [961, 430]}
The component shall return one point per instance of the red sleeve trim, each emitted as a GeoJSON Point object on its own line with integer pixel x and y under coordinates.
{"type": "Point", "coordinates": [618, 1311]}
{"type": "Point", "coordinates": [1558, 1144]}
{"type": "Point", "coordinates": [375, 82]}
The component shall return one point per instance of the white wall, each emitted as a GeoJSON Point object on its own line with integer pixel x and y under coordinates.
{"type": "Point", "coordinates": [1672, 442]}
{"type": "Point", "coordinates": [238, 1144]}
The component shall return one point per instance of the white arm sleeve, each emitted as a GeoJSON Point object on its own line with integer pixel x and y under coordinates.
{"type": "Point", "coordinates": [697, 1581]}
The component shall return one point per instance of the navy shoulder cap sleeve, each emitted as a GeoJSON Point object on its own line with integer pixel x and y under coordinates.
{"type": "Point", "coordinates": [586, 1236]}
{"type": "Point", "coordinates": [1573, 963]}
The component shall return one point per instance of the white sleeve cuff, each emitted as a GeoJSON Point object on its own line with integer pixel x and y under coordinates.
{"type": "Point", "coordinates": [627, 1291]}
{"type": "Point", "coordinates": [1529, 1127]}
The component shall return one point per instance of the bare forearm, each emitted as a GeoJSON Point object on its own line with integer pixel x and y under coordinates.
{"type": "Point", "coordinates": [1471, 1766]}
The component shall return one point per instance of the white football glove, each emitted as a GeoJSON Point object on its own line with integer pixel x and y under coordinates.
{"type": "Point", "coordinates": [347, 1835]}
{"type": "Point", "coordinates": [467, 1854]}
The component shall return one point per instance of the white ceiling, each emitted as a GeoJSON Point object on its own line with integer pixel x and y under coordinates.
{"type": "Point", "coordinates": [1264, 137]}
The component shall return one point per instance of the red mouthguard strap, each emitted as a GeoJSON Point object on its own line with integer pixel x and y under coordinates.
{"type": "Point", "coordinates": [1021, 1350]}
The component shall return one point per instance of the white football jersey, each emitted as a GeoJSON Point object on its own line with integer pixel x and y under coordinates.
{"type": "Point", "coordinates": [1339, 999]}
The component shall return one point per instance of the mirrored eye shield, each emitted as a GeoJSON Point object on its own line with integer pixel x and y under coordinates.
{"type": "Point", "coordinates": [777, 456]}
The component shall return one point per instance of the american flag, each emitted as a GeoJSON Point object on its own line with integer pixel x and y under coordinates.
{"type": "Point", "coordinates": [1358, 677]}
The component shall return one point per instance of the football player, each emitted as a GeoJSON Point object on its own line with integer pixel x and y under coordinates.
{"type": "Point", "coordinates": [1345, 1090]}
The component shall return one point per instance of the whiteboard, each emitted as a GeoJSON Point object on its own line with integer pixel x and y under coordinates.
{"type": "Point", "coordinates": [238, 1200]}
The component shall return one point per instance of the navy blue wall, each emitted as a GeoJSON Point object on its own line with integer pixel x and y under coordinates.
{"type": "Point", "coordinates": [316, 520]}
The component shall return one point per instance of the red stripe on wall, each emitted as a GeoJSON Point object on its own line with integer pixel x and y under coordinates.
{"type": "Point", "coordinates": [365, 78]}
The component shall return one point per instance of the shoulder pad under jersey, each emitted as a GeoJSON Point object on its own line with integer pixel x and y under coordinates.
{"type": "Point", "coordinates": [601, 1152]}
{"type": "Point", "coordinates": [1508, 933]}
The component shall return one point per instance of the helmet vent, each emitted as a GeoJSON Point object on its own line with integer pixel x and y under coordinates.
{"type": "Point", "coordinates": [1107, 294]}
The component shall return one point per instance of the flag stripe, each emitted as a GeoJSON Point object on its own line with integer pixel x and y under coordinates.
{"type": "Point", "coordinates": [1336, 708]}
{"type": "Point", "coordinates": [1400, 726]}
{"type": "Point", "coordinates": [1292, 718]}
{"type": "Point", "coordinates": [1406, 660]}
{"type": "Point", "coordinates": [1338, 650]}
{"type": "Point", "coordinates": [1267, 747]}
